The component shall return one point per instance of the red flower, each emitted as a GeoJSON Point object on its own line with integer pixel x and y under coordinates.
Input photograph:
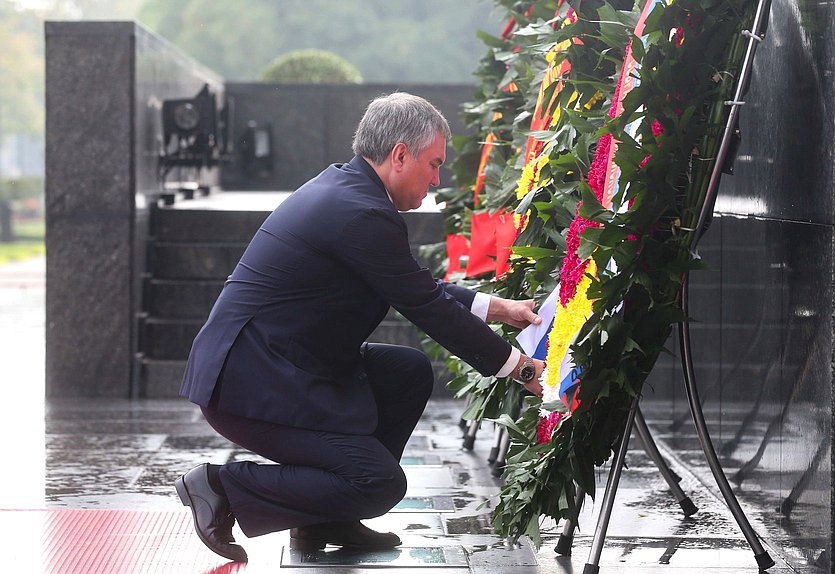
{"type": "Point", "coordinates": [522, 222]}
{"type": "Point", "coordinates": [572, 270]}
{"type": "Point", "coordinates": [680, 36]}
{"type": "Point", "coordinates": [657, 128]}
{"type": "Point", "coordinates": [546, 427]}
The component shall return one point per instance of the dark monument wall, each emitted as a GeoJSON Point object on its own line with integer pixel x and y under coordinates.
{"type": "Point", "coordinates": [313, 126]}
{"type": "Point", "coordinates": [763, 340]}
{"type": "Point", "coordinates": [105, 82]}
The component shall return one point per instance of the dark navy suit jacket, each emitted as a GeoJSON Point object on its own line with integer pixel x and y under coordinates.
{"type": "Point", "coordinates": [283, 341]}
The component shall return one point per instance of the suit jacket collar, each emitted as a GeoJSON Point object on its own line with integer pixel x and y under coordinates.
{"type": "Point", "coordinates": [359, 163]}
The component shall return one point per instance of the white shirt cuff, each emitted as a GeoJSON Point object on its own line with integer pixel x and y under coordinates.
{"type": "Point", "coordinates": [480, 306]}
{"type": "Point", "coordinates": [510, 364]}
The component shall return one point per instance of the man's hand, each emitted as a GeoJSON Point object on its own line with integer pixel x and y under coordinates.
{"type": "Point", "coordinates": [518, 314]}
{"type": "Point", "coordinates": [535, 386]}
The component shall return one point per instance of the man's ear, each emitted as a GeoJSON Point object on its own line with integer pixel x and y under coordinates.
{"type": "Point", "coordinates": [398, 155]}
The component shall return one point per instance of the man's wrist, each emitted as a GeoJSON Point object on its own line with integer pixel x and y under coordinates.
{"type": "Point", "coordinates": [521, 362]}
{"type": "Point", "coordinates": [510, 364]}
{"type": "Point", "coordinates": [481, 305]}
{"type": "Point", "coordinates": [526, 371]}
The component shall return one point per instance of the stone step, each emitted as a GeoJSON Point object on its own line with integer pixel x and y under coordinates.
{"type": "Point", "coordinates": [168, 339]}
{"type": "Point", "coordinates": [221, 226]}
{"type": "Point", "coordinates": [160, 379]}
{"type": "Point", "coordinates": [195, 261]}
{"type": "Point", "coordinates": [178, 298]}
{"type": "Point", "coordinates": [206, 225]}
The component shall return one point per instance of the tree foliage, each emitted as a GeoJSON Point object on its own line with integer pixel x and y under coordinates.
{"type": "Point", "coordinates": [21, 71]}
{"type": "Point", "coordinates": [311, 67]}
{"type": "Point", "coordinates": [388, 41]}
{"type": "Point", "coordinates": [22, 56]}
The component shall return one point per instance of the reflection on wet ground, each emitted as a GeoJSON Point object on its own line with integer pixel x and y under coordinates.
{"type": "Point", "coordinates": [112, 454]}
{"type": "Point", "coordinates": [96, 493]}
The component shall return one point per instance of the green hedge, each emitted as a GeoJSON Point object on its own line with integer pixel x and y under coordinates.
{"type": "Point", "coordinates": [311, 67]}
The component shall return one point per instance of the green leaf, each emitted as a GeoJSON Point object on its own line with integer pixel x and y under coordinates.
{"type": "Point", "coordinates": [512, 428]}
{"type": "Point", "coordinates": [526, 202]}
{"type": "Point", "coordinates": [535, 252]}
{"type": "Point", "coordinates": [591, 208]}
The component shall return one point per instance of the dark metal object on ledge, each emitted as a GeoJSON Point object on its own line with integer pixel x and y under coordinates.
{"type": "Point", "coordinates": [196, 137]}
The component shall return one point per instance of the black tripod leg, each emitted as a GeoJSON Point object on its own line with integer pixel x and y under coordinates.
{"type": "Point", "coordinates": [593, 565]}
{"type": "Point", "coordinates": [498, 434]}
{"type": "Point", "coordinates": [566, 539]}
{"type": "Point", "coordinates": [501, 455]}
{"type": "Point", "coordinates": [764, 561]}
{"type": "Point", "coordinates": [652, 451]}
{"type": "Point", "coordinates": [788, 503]}
{"type": "Point", "coordinates": [504, 442]}
{"type": "Point", "coordinates": [469, 436]}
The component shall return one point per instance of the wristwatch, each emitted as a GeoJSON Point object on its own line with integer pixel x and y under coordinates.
{"type": "Point", "coordinates": [527, 371]}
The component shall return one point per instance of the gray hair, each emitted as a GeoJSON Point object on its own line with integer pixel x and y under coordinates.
{"type": "Point", "coordinates": [398, 118]}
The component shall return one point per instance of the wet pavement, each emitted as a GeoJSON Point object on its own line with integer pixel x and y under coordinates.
{"type": "Point", "coordinates": [87, 487]}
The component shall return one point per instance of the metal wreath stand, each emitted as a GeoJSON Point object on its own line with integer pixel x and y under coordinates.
{"type": "Point", "coordinates": [764, 561]}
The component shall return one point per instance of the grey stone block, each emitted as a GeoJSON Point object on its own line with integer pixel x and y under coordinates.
{"type": "Point", "coordinates": [396, 333]}
{"type": "Point", "coordinates": [195, 260]}
{"type": "Point", "coordinates": [206, 225]}
{"type": "Point", "coordinates": [167, 298]}
{"type": "Point", "coordinates": [161, 379]}
{"type": "Point", "coordinates": [168, 339]}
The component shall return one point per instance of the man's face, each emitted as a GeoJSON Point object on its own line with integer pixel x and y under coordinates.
{"type": "Point", "coordinates": [415, 175]}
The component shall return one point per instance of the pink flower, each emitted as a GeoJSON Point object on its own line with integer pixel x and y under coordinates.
{"type": "Point", "coordinates": [657, 128]}
{"type": "Point", "coordinates": [597, 171]}
{"type": "Point", "coordinates": [573, 267]}
{"type": "Point", "coordinates": [546, 427]}
{"type": "Point", "coordinates": [523, 221]}
{"type": "Point", "coordinates": [572, 270]}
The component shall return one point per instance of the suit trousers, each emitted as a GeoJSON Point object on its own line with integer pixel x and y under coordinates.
{"type": "Point", "coordinates": [326, 476]}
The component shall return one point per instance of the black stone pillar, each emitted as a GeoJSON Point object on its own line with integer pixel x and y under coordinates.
{"type": "Point", "coordinates": [105, 82]}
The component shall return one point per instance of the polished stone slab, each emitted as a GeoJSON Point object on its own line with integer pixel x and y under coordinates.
{"type": "Point", "coordinates": [136, 469]}
{"type": "Point", "coordinates": [425, 504]}
{"type": "Point", "coordinates": [420, 460]}
{"type": "Point", "coordinates": [402, 557]}
{"type": "Point", "coordinates": [419, 442]}
{"type": "Point", "coordinates": [429, 477]}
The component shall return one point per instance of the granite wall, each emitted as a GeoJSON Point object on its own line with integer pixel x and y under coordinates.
{"type": "Point", "coordinates": [105, 83]}
{"type": "Point", "coordinates": [312, 126]}
{"type": "Point", "coordinates": [763, 331]}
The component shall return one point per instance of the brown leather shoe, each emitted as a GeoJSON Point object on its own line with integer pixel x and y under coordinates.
{"type": "Point", "coordinates": [352, 535]}
{"type": "Point", "coordinates": [213, 520]}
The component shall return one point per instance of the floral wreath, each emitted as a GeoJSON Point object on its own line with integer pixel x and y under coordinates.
{"type": "Point", "coordinates": [607, 194]}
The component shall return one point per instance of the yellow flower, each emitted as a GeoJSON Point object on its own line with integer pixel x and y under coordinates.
{"type": "Point", "coordinates": [530, 175]}
{"type": "Point", "coordinates": [568, 321]}
{"type": "Point", "coordinates": [598, 95]}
